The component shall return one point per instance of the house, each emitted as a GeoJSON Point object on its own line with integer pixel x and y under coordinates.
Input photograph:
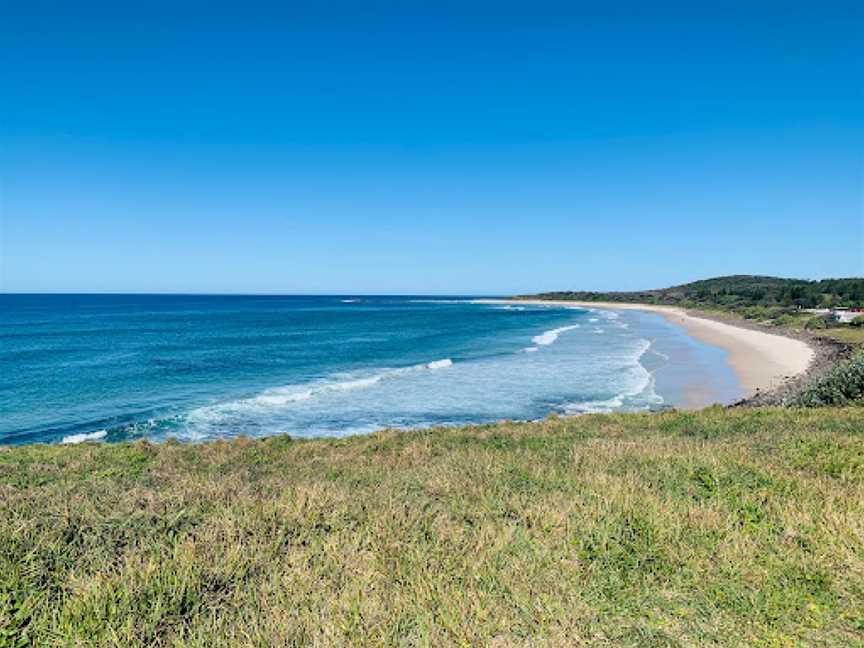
{"type": "Point", "coordinates": [840, 314]}
{"type": "Point", "coordinates": [845, 315]}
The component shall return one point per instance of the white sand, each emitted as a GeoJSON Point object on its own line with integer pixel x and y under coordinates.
{"type": "Point", "coordinates": [762, 361]}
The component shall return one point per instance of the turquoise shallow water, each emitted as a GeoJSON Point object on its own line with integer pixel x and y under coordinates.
{"type": "Point", "coordinates": [113, 367]}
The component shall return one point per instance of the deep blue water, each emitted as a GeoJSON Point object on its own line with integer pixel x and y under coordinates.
{"type": "Point", "coordinates": [198, 367]}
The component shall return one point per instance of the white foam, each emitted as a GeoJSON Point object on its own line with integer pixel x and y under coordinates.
{"type": "Point", "coordinates": [350, 301]}
{"type": "Point", "coordinates": [348, 385]}
{"type": "Point", "coordinates": [642, 386]}
{"type": "Point", "coordinates": [548, 337]}
{"type": "Point", "coordinates": [276, 397]}
{"type": "Point", "coordinates": [595, 406]}
{"type": "Point", "coordinates": [280, 397]}
{"type": "Point", "coordinates": [602, 312]}
{"type": "Point", "coordinates": [581, 374]}
{"type": "Point", "coordinates": [81, 438]}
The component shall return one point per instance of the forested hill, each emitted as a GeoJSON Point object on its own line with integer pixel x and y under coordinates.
{"type": "Point", "coordinates": [736, 291]}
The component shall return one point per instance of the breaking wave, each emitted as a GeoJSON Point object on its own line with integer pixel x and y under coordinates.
{"type": "Point", "coordinates": [548, 337]}
{"type": "Point", "coordinates": [360, 376]}
{"type": "Point", "coordinates": [284, 396]}
{"type": "Point", "coordinates": [81, 438]}
{"type": "Point", "coordinates": [640, 388]}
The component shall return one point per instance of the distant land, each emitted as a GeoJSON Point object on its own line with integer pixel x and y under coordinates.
{"type": "Point", "coordinates": [735, 293]}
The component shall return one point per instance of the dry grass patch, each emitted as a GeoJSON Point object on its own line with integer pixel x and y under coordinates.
{"type": "Point", "coordinates": [676, 529]}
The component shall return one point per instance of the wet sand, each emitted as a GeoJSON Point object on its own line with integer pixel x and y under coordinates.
{"type": "Point", "coordinates": [762, 361]}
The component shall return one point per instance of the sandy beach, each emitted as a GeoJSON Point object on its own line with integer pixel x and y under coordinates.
{"type": "Point", "coordinates": [762, 361]}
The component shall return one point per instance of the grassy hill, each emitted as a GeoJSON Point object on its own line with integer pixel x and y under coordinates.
{"type": "Point", "coordinates": [716, 528]}
{"type": "Point", "coordinates": [738, 292]}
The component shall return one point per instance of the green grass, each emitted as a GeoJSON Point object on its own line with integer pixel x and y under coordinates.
{"type": "Point", "coordinates": [848, 334]}
{"type": "Point", "coordinates": [720, 527]}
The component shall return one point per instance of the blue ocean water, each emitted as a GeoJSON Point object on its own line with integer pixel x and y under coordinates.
{"type": "Point", "coordinates": [114, 367]}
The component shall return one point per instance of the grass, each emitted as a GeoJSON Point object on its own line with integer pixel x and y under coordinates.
{"type": "Point", "coordinates": [847, 334]}
{"type": "Point", "coordinates": [716, 528]}
{"type": "Point", "coordinates": [844, 333]}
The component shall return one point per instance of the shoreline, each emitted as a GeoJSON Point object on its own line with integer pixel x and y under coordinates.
{"type": "Point", "coordinates": [762, 361]}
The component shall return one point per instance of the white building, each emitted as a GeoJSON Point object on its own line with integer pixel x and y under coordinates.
{"type": "Point", "coordinates": [841, 314]}
{"type": "Point", "coordinates": [845, 316]}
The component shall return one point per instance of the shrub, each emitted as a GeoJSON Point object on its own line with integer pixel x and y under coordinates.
{"type": "Point", "coordinates": [858, 322]}
{"type": "Point", "coordinates": [816, 323]}
{"type": "Point", "coordinates": [756, 313]}
{"type": "Point", "coordinates": [844, 383]}
{"type": "Point", "coordinates": [785, 320]}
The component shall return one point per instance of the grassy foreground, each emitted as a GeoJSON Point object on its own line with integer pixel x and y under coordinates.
{"type": "Point", "coordinates": [675, 529]}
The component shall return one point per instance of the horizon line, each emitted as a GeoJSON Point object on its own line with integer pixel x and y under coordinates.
{"type": "Point", "coordinates": [250, 294]}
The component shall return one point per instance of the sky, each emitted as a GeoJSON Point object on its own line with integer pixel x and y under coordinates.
{"type": "Point", "coordinates": [424, 148]}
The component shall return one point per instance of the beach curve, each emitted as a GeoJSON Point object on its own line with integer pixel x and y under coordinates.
{"type": "Point", "coordinates": [762, 361]}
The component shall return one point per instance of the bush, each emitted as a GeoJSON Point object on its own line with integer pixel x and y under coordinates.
{"type": "Point", "coordinates": [858, 322]}
{"type": "Point", "coordinates": [816, 323]}
{"type": "Point", "coordinates": [785, 320]}
{"type": "Point", "coordinates": [757, 313]}
{"type": "Point", "coordinates": [844, 383]}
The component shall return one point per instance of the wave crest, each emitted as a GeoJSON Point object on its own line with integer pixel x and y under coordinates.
{"type": "Point", "coordinates": [548, 337]}
{"type": "Point", "coordinates": [278, 397]}
{"type": "Point", "coordinates": [642, 388]}
{"type": "Point", "coordinates": [81, 438]}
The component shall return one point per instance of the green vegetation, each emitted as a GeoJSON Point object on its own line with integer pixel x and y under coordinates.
{"type": "Point", "coordinates": [815, 323]}
{"type": "Point", "coordinates": [750, 296]}
{"type": "Point", "coordinates": [769, 300]}
{"type": "Point", "coordinates": [840, 386]}
{"type": "Point", "coordinates": [846, 334]}
{"type": "Point", "coordinates": [715, 528]}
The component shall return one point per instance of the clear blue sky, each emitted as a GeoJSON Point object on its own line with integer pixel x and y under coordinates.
{"type": "Point", "coordinates": [443, 147]}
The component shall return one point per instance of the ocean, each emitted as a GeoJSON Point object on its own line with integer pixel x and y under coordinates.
{"type": "Point", "coordinates": [117, 367]}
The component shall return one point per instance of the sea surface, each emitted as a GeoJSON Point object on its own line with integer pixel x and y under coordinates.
{"type": "Point", "coordinates": [116, 367]}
